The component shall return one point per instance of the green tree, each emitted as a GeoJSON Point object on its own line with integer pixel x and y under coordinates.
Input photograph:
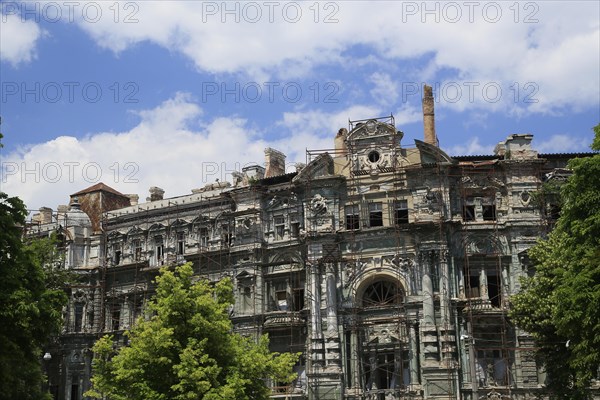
{"type": "Point", "coordinates": [187, 349]}
{"type": "Point", "coordinates": [560, 304]}
{"type": "Point", "coordinates": [30, 311]}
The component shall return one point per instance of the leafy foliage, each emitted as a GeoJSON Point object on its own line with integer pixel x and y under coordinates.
{"type": "Point", "coordinates": [30, 311]}
{"type": "Point", "coordinates": [187, 349]}
{"type": "Point", "coordinates": [560, 304]}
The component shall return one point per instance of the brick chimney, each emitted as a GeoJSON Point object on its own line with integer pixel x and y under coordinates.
{"type": "Point", "coordinates": [274, 162]}
{"type": "Point", "coordinates": [428, 117]}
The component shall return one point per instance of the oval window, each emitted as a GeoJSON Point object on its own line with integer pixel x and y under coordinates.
{"type": "Point", "coordinates": [374, 156]}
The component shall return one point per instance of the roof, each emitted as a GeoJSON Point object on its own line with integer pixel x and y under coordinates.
{"type": "Point", "coordinates": [278, 178]}
{"type": "Point", "coordinates": [97, 188]}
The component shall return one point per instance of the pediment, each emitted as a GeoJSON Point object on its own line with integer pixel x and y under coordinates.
{"type": "Point", "coordinates": [319, 167]}
{"type": "Point", "coordinates": [179, 223]}
{"type": "Point", "coordinates": [156, 227]}
{"type": "Point", "coordinates": [135, 231]}
{"type": "Point", "coordinates": [432, 154]}
{"type": "Point", "coordinates": [371, 129]}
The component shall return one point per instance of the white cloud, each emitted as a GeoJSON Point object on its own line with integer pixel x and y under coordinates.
{"type": "Point", "coordinates": [555, 45]}
{"type": "Point", "coordinates": [18, 39]}
{"type": "Point", "coordinates": [173, 147]}
{"type": "Point", "coordinates": [160, 151]}
{"type": "Point", "coordinates": [562, 143]}
{"type": "Point", "coordinates": [472, 147]}
{"type": "Point", "coordinates": [315, 129]}
{"type": "Point", "coordinates": [385, 90]}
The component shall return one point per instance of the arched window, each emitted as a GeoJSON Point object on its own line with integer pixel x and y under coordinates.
{"type": "Point", "coordinates": [382, 293]}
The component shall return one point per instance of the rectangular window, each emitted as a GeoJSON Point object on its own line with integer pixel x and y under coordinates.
{"type": "Point", "coordinates": [226, 236]}
{"type": "Point", "coordinates": [180, 243]}
{"type": "Point", "coordinates": [295, 229]}
{"type": "Point", "coordinates": [468, 213]}
{"type": "Point", "coordinates": [115, 318]}
{"type": "Point", "coordinates": [298, 299]}
{"type": "Point", "coordinates": [489, 212]}
{"type": "Point", "coordinates": [279, 222]}
{"type": "Point", "coordinates": [78, 313]}
{"type": "Point", "coordinates": [74, 392]}
{"type": "Point", "coordinates": [282, 303]}
{"type": "Point", "coordinates": [246, 298]}
{"type": "Point", "coordinates": [203, 234]}
{"type": "Point", "coordinates": [352, 217]}
{"type": "Point", "coordinates": [401, 212]}
{"type": "Point", "coordinates": [472, 286]}
{"type": "Point", "coordinates": [375, 214]}
{"type": "Point", "coordinates": [137, 249]}
{"type": "Point", "coordinates": [159, 248]}
{"type": "Point", "coordinates": [117, 254]}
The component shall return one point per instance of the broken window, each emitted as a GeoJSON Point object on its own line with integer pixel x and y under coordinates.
{"type": "Point", "coordinates": [375, 214]}
{"type": "Point", "coordinates": [489, 212]}
{"type": "Point", "coordinates": [246, 294]}
{"type": "Point", "coordinates": [469, 213]}
{"type": "Point", "coordinates": [279, 222]}
{"type": "Point", "coordinates": [352, 216]}
{"type": "Point", "coordinates": [115, 317]}
{"type": "Point", "coordinates": [286, 295]}
{"type": "Point", "coordinates": [159, 248]}
{"type": "Point", "coordinates": [282, 302]}
{"type": "Point", "coordinates": [226, 236]}
{"type": "Point", "coordinates": [298, 299]}
{"type": "Point", "coordinates": [401, 212]}
{"type": "Point", "coordinates": [471, 285]}
{"type": "Point", "coordinates": [78, 314]}
{"type": "Point", "coordinates": [117, 253]}
{"type": "Point", "coordinates": [386, 370]}
{"type": "Point", "coordinates": [75, 391]}
{"type": "Point", "coordinates": [180, 243]}
{"type": "Point", "coordinates": [294, 226]}
{"type": "Point", "coordinates": [137, 250]}
{"type": "Point", "coordinates": [203, 235]}
{"type": "Point", "coordinates": [382, 293]}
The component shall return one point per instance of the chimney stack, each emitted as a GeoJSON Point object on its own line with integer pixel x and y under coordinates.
{"type": "Point", "coordinates": [428, 116]}
{"type": "Point", "coordinates": [133, 199]}
{"type": "Point", "coordinates": [274, 162]}
{"type": "Point", "coordinates": [156, 193]}
{"type": "Point", "coordinates": [45, 215]}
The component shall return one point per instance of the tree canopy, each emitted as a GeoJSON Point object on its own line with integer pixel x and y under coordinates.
{"type": "Point", "coordinates": [560, 304]}
{"type": "Point", "coordinates": [30, 310]}
{"type": "Point", "coordinates": [187, 349]}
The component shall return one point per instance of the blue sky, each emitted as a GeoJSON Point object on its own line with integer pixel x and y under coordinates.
{"type": "Point", "coordinates": [177, 94]}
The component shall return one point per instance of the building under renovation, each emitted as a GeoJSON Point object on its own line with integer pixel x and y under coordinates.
{"type": "Point", "coordinates": [390, 267]}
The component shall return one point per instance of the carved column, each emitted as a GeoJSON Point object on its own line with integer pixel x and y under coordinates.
{"type": "Point", "coordinates": [428, 308]}
{"type": "Point", "coordinates": [444, 289]}
{"type": "Point", "coordinates": [316, 335]}
{"type": "Point", "coordinates": [414, 360]}
{"type": "Point", "coordinates": [483, 285]}
{"type": "Point", "coordinates": [332, 323]}
{"type": "Point", "coordinates": [315, 301]}
{"type": "Point", "coordinates": [355, 357]}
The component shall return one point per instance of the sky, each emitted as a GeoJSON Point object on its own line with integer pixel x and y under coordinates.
{"type": "Point", "coordinates": [178, 94]}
